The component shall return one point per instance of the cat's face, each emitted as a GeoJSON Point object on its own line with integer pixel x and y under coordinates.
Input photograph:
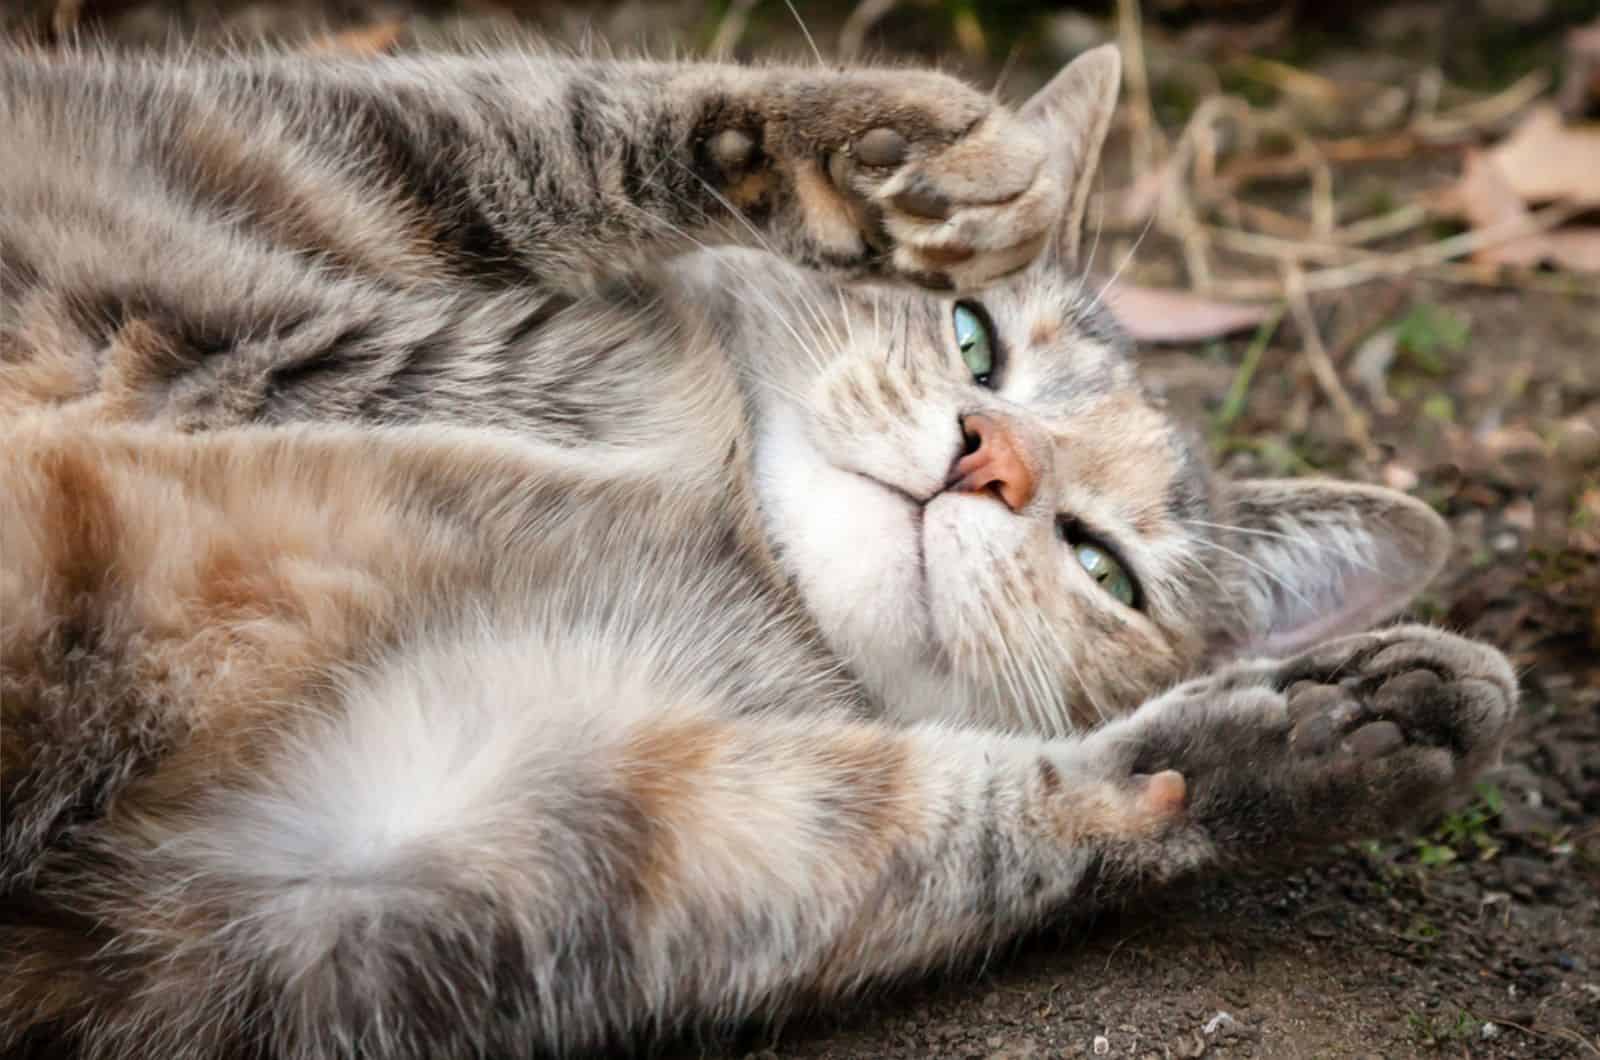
{"type": "Point", "coordinates": [993, 520]}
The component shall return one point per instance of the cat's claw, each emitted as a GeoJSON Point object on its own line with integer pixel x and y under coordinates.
{"type": "Point", "coordinates": [1363, 735]}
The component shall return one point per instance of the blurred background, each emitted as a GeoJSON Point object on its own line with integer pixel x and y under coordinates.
{"type": "Point", "coordinates": [1358, 239]}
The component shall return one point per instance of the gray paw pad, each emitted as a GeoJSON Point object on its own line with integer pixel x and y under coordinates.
{"type": "Point", "coordinates": [1338, 717]}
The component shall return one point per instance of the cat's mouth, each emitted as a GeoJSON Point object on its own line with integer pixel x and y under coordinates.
{"type": "Point", "coordinates": [916, 507]}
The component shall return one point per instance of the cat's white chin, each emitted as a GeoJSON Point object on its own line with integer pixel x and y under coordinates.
{"type": "Point", "coordinates": [854, 547]}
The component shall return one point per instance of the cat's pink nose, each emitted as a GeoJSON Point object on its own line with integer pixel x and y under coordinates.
{"type": "Point", "coordinates": [994, 462]}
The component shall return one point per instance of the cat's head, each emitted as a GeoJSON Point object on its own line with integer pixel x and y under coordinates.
{"type": "Point", "coordinates": [992, 519]}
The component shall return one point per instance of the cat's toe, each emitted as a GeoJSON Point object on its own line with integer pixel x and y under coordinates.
{"type": "Point", "coordinates": [1383, 726]}
{"type": "Point", "coordinates": [1163, 794]}
{"type": "Point", "coordinates": [1354, 739]}
{"type": "Point", "coordinates": [947, 214]}
{"type": "Point", "coordinates": [975, 212]}
{"type": "Point", "coordinates": [1412, 684]}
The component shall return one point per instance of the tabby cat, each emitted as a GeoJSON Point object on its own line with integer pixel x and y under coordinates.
{"type": "Point", "coordinates": [512, 555]}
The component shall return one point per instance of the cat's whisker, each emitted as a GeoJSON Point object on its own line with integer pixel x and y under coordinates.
{"type": "Point", "coordinates": [1267, 572]}
{"type": "Point", "coordinates": [1128, 258]}
{"type": "Point", "coordinates": [816, 51]}
{"type": "Point", "coordinates": [762, 293]}
{"type": "Point", "coordinates": [1086, 264]}
{"type": "Point", "coordinates": [845, 315]}
{"type": "Point", "coordinates": [1226, 597]}
{"type": "Point", "coordinates": [762, 242]}
{"type": "Point", "coordinates": [1047, 694]}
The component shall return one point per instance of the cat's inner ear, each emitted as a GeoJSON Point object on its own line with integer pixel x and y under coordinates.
{"type": "Point", "coordinates": [1309, 560]}
{"type": "Point", "coordinates": [1073, 113]}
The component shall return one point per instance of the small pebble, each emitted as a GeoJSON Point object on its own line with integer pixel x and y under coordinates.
{"type": "Point", "coordinates": [1102, 1045]}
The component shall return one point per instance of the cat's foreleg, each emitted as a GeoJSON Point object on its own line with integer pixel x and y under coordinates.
{"type": "Point", "coordinates": [595, 169]}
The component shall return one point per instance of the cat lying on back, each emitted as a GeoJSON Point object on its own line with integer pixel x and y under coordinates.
{"type": "Point", "coordinates": [456, 602]}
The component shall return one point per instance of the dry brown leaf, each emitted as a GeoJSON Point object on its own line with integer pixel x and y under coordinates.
{"type": "Point", "coordinates": [1132, 206]}
{"type": "Point", "coordinates": [1154, 314]}
{"type": "Point", "coordinates": [1486, 198]}
{"type": "Point", "coordinates": [1544, 159]}
{"type": "Point", "coordinates": [379, 38]}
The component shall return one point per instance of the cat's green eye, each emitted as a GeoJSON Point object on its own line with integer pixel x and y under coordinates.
{"type": "Point", "coordinates": [1103, 567]}
{"type": "Point", "coordinates": [975, 342]}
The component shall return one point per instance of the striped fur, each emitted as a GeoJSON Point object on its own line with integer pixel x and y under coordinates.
{"type": "Point", "coordinates": [481, 577]}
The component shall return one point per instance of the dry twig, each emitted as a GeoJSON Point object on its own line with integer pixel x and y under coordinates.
{"type": "Point", "coordinates": [1316, 357]}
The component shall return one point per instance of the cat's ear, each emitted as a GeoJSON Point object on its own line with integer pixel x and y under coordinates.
{"type": "Point", "coordinates": [1309, 560]}
{"type": "Point", "coordinates": [1073, 112]}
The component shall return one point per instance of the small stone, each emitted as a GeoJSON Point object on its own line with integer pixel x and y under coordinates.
{"type": "Point", "coordinates": [1578, 437]}
{"type": "Point", "coordinates": [1015, 1049]}
{"type": "Point", "coordinates": [1102, 1045]}
{"type": "Point", "coordinates": [1520, 515]}
{"type": "Point", "coordinates": [1399, 477]}
{"type": "Point", "coordinates": [1505, 542]}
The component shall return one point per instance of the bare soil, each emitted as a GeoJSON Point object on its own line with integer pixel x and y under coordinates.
{"type": "Point", "coordinates": [1479, 937]}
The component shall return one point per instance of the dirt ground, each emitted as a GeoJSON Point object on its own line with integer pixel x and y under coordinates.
{"type": "Point", "coordinates": [1481, 935]}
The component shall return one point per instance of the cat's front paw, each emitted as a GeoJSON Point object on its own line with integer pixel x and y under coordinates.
{"type": "Point", "coordinates": [915, 176]}
{"type": "Point", "coordinates": [1358, 737]}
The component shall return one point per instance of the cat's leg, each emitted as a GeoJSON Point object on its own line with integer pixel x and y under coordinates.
{"type": "Point", "coordinates": [1352, 739]}
{"type": "Point", "coordinates": [562, 171]}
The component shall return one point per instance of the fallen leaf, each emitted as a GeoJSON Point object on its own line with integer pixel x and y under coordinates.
{"type": "Point", "coordinates": [1487, 199]}
{"type": "Point", "coordinates": [379, 38]}
{"type": "Point", "coordinates": [1133, 205]}
{"type": "Point", "coordinates": [1544, 159]}
{"type": "Point", "coordinates": [1155, 314]}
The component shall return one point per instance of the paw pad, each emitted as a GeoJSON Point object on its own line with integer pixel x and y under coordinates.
{"type": "Point", "coordinates": [731, 150]}
{"type": "Point", "coordinates": [1374, 740]}
{"type": "Point", "coordinates": [881, 147]}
